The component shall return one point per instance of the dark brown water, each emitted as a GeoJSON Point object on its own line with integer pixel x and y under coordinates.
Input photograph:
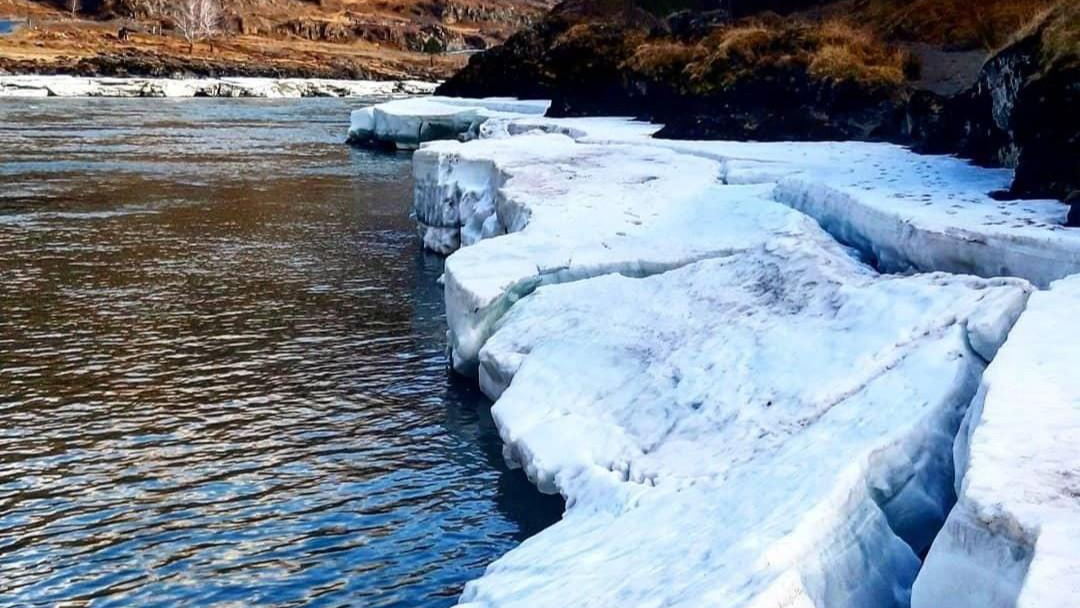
{"type": "Point", "coordinates": [221, 369]}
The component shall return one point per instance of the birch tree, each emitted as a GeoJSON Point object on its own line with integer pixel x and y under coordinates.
{"type": "Point", "coordinates": [197, 20]}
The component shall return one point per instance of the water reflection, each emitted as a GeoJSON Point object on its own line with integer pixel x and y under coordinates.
{"type": "Point", "coordinates": [221, 368]}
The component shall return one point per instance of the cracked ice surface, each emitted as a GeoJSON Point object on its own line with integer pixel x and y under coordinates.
{"type": "Point", "coordinates": [1012, 539]}
{"type": "Point", "coordinates": [770, 428]}
{"type": "Point", "coordinates": [911, 212]}
{"type": "Point", "coordinates": [568, 211]}
{"type": "Point", "coordinates": [760, 420]}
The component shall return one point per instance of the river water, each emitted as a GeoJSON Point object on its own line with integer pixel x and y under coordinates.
{"type": "Point", "coordinates": [221, 370]}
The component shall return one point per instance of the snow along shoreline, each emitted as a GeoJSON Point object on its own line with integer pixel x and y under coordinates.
{"type": "Point", "coordinates": [739, 411]}
{"type": "Point", "coordinates": [77, 86]}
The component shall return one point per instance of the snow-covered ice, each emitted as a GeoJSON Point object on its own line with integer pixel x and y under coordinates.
{"type": "Point", "coordinates": [78, 86]}
{"type": "Point", "coordinates": [737, 409]}
{"type": "Point", "coordinates": [569, 211]}
{"type": "Point", "coordinates": [406, 123]}
{"type": "Point", "coordinates": [1013, 539]}
{"type": "Point", "coordinates": [770, 428]}
{"type": "Point", "coordinates": [910, 212]}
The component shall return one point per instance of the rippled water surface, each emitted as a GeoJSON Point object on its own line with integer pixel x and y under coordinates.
{"type": "Point", "coordinates": [221, 369]}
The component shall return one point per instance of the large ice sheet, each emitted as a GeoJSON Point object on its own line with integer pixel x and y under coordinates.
{"type": "Point", "coordinates": [406, 123]}
{"type": "Point", "coordinates": [77, 86]}
{"type": "Point", "coordinates": [738, 412]}
{"type": "Point", "coordinates": [567, 211]}
{"type": "Point", "coordinates": [773, 428]}
{"type": "Point", "coordinates": [1013, 539]}
{"type": "Point", "coordinates": [909, 211]}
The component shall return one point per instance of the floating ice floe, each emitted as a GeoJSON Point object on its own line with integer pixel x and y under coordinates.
{"type": "Point", "coordinates": [406, 123]}
{"type": "Point", "coordinates": [76, 86]}
{"type": "Point", "coordinates": [1013, 539]}
{"type": "Point", "coordinates": [773, 428]}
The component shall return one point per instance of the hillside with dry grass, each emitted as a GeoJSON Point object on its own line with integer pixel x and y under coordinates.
{"type": "Point", "coordinates": [337, 38]}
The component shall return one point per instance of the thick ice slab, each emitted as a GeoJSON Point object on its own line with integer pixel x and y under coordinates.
{"type": "Point", "coordinates": [1013, 539]}
{"type": "Point", "coordinates": [566, 211]}
{"type": "Point", "coordinates": [909, 211]}
{"type": "Point", "coordinates": [75, 86]}
{"type": "Point", "coordinates": [738, 412]}
{"type": "Point", "coordinates": [773, 428]}
{"type": "Point", "coordinates": [405, 123]}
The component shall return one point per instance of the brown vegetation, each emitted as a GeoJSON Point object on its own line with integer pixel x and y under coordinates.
{"type": "Point", "coordinates": [956, 24]}
{"type": "Point", "coordinates": [1060, 42]}
{"type": "Point", "coordinates": [831, 50]}
{"type": "Point", "coordinates": [341, 38]}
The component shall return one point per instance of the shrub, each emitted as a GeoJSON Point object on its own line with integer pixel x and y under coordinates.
{"type": "Point", "coordinates": [664, 61]}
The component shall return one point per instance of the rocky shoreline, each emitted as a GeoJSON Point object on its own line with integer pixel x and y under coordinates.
{"type": "Point", "coordinates": [136, 64]}
{"type": "Point", "coordinates": [73, 86]}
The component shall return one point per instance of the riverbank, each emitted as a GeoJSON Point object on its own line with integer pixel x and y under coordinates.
{"type": "Point", "coordinates": [345, 39]}
{"type": "Point", "coordinates": [73, 86]}
{"type": "Point", "coordinates": [828, 70]}
{"type": "Point", "coordinates": [698, 345]}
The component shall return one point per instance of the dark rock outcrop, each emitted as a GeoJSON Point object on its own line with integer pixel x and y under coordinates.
{"type": "Point", "coordinates": [761, 82]}
{"type": "Point", "coordinates": [1021, 113]}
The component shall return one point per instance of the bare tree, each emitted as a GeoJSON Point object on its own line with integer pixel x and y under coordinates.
{"type": "Point", "coordinates": [137, 9]}
{"type": "Point", "coordinates": [151, 9]}
{"type": "Point", "coordinates": [74, 6]}
{"type": "Point", "coordinates": [197, 20]}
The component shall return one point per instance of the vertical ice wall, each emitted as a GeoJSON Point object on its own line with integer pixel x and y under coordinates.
{"type": "Point", "coordinates": [1013, 540]}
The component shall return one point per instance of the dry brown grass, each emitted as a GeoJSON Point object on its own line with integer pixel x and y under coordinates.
{"type": "Point", "coordinates": [1061, 32]}
{"type": "Point", "coordinates": [965, 24]}
{"type": "Point", "coordinates": [832, 50]}
{"type": "Point", "coordinates": [847, 52]}
{"type": "Point", "coordinates": [844, 63]}
{"type": "Point", "coordinates": [749, 40]}
{"type": "Point", "coordinates": [664, 60]}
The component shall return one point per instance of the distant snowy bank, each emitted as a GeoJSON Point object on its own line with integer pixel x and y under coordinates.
{"type": "Point", "coordinates": [697, 345]}
{"type": "Point", "coordinates": [77, 86]}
